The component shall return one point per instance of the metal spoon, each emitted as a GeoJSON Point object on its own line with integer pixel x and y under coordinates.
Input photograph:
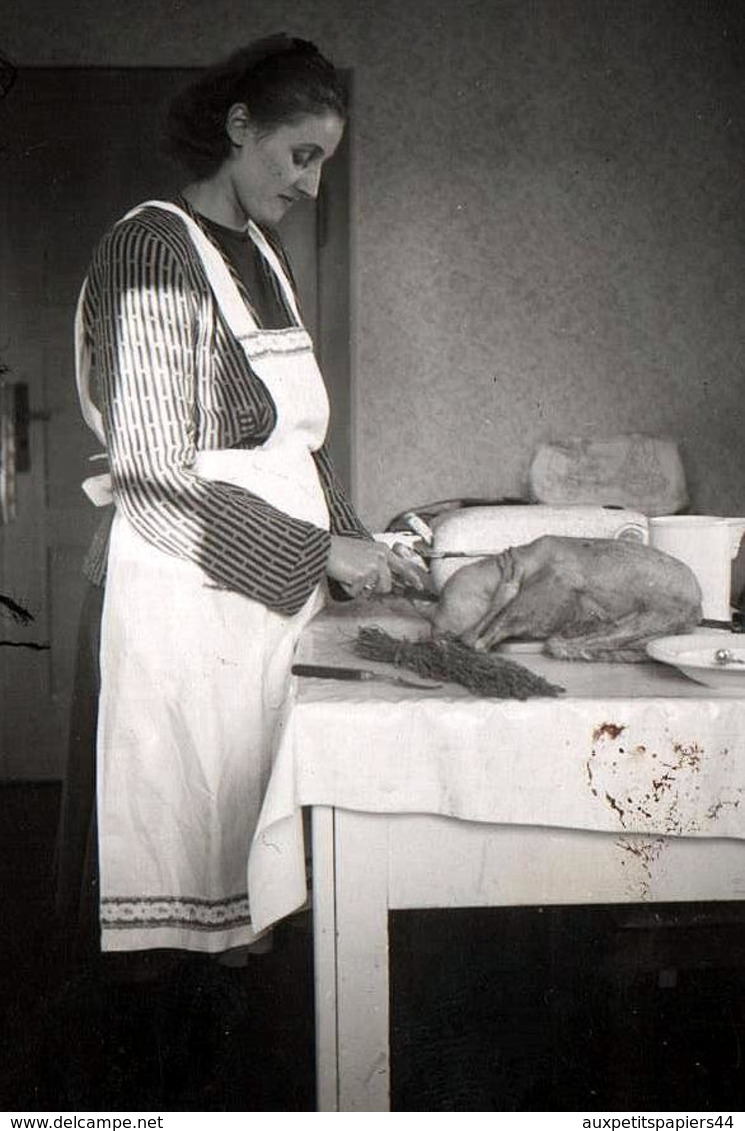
{"type": "Point", "coordinates": [724, 656]}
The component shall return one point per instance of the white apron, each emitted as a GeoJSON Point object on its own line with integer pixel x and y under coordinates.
{"type": "Point", "coordinates": [194, 679]}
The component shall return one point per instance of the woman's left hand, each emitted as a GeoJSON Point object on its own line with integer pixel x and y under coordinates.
{"type": "Point", "coordinates": [407, 572]}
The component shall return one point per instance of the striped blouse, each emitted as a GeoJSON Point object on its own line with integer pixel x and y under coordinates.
{"type": "Point", "coordinates": [170, 380]}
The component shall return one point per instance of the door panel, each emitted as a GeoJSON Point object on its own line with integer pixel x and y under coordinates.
{"type": "Point", "coordinates": [79, 147]}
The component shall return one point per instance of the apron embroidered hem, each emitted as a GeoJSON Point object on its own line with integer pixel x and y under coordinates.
{"type": "Point", "coordinates": [175, 911]}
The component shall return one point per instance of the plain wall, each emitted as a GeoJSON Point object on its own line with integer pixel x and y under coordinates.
{"type": "Point", "coordinates": [547, 219]}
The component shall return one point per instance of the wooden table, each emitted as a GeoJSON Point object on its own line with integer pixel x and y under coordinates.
{"type": "Point", "coordinates": [367, 864]}
{"type": "Point", "coordinates": [627, 789]}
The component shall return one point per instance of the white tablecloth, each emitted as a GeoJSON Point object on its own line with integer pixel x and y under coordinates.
{"type": "Point", "coordinates": [627, 749]}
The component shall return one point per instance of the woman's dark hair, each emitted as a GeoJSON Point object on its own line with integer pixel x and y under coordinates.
{"type": "Point", "coordinates": [280, 79]}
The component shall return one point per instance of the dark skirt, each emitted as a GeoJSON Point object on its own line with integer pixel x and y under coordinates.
{"type": "Point", "coordinates": [76, 860]}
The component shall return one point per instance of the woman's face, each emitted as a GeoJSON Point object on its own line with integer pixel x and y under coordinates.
{"type": "Point", "coordinates": [270, 171]}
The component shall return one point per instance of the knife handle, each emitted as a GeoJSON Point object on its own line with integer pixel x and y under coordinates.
{"type": "Point", "coordinates": [320, 671]}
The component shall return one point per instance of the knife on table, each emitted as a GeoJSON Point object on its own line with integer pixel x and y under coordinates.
{"type": "Point", "coordinates": [325, 671]}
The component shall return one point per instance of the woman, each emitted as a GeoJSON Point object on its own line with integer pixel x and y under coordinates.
{"type": "Point", "coordinates": [196, 372]}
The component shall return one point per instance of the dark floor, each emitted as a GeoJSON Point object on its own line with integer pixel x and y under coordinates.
{"type": "Point", "coordinates": [602, 1009]}
{"type": "Point", "coordinates": [101, 1034]}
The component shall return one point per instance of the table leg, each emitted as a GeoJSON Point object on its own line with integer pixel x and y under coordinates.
{"type": "Point", "coordinates": [324, 959]}
{"type": "Point", "coordinates": [351, 956]}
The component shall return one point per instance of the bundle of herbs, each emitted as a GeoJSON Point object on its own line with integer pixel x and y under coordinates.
{"type": "Point", "coordinates": [450, 660]}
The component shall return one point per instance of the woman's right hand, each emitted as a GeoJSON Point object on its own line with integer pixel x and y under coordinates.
{"type": "Point", "coordinates": [364, 566]}
{"type": "Point", "coordinates": [359, 565]}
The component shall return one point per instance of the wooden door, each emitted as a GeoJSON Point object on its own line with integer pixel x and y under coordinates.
{"type": "Point", "coordinates": [78, 147]}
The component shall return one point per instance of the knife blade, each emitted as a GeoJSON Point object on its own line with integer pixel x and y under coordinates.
{"type": "Point", "coordinates": [410, 592]}
{"type": "Point", "coordinates": [437, 555]}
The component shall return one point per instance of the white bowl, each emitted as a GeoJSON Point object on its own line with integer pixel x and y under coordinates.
{"type": "Point", "coordinates": [694, 654]}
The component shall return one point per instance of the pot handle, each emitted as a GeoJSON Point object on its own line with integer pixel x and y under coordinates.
{"type": "Point", "coordinates": [633, 532]}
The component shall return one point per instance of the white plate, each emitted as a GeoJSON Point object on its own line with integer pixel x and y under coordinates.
{"type": "Point", "coordinates": [694, 655]}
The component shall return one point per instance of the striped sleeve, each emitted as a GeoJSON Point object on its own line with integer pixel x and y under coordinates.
{"type": "Point", "coordinates": [344, 518]}
{"type": "Point", "coordinates": [144, 349]}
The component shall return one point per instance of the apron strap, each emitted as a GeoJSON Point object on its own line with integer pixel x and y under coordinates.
{"type": "Point", "coordinates": [228, 297]}
{"type": "Point", "coordinates": [274, 262]}
{"type": "Point", "coordinates": [238, 317]}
